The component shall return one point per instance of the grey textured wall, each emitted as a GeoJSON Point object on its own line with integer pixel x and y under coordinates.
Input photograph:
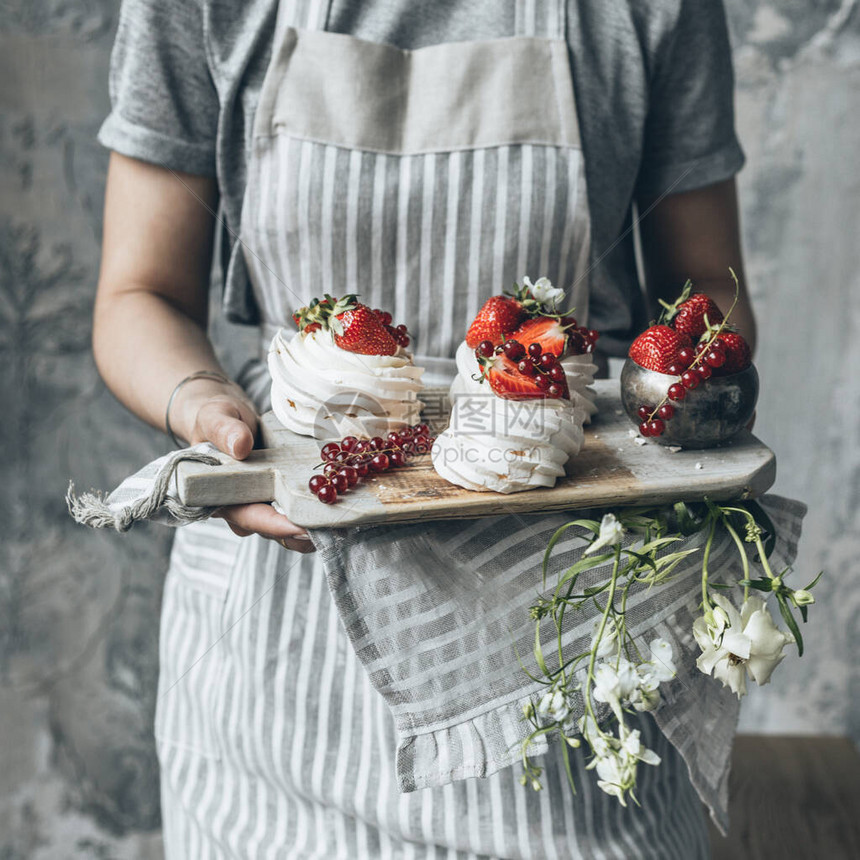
{"type": "Point", "coordinates": [79, 610]}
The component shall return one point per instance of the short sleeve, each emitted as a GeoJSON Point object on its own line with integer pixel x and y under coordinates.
{"type": "Point", "coordinates": [164, 105]}
{"type": "Point", "coordinates": [690, 138]}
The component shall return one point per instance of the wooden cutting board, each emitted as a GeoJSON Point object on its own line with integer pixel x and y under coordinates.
{"type": "Point", "coordinates": [611, 469]}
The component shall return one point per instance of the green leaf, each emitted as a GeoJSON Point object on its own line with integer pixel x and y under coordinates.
{"type": "Point", "coordinates": [814, 581]}
{"type": "Point", "coordinates": [566, 755]}
{"type": "Point", "coordinates": [538, 649]}
{"type": "Point", "coordinates": [595, 589]}
{"type": "Point", "coordinates": [582, 565]}
{"type": "Point", "coordinates": [591, 525]}
{"type": "Point", "coordinates": [758, 584]}
{"type": "Point", "coordinates": [785, 611]}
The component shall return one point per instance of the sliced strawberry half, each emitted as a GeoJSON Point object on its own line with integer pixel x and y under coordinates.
{"type": "Point", "coordinates": [509, 383]}
{"type": "Point", "coordinates": [658, 347]}
{"type": "Point", "coordinates": [549, 332]}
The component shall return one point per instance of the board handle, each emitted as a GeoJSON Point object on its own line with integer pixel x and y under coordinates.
{"type": "Point", "coordinates": [233, 482]}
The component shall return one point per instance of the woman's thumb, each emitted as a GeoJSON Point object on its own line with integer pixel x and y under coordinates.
{"type": "Point", "coordinates": [222, 425]}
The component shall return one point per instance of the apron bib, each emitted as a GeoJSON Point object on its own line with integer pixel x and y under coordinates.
{"type": "Point", "coordinates": [425, 181]}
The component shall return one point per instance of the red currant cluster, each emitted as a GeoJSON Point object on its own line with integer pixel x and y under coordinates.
{"type": "Point", "coordinates": [399, 333]}
{"type": "Point", "coordinates": [580, 339]}
{"type": "Point", "coordinates": [346, 461]}
{"type": "Point", "coordinates": [692, 367]}
{"type": "Point", "coordinates": [543, 367]}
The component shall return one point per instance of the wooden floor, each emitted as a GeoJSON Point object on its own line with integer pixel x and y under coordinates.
{"type": "Point", "coordinates": [792, 798]}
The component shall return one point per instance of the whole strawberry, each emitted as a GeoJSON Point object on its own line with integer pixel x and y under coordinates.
{"type": "Point", "coordinates": [657, 348]}
{"type": "Point", "coordinates": [354, 326]}
{"type": "Point", "coordinates": [499, 316]}
{"type": "Point", "coordinates": [695, 314]}
{"type": "Point", "coordinates": [362, 331]}
{"type": "Point", "coordinates": [737, 351]}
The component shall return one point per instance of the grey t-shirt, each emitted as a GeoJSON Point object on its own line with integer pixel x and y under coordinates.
{"type": "Point", "coordinates": [652, 78]}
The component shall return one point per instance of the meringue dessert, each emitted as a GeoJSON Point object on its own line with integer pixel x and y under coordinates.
{"type": "Point", "coordinates": [346, 372]}
{"type": "Point", "coordinates": [520, 398]}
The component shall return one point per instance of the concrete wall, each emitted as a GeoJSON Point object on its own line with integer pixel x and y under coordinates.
{"type": "Point", "coordinates": [78, 609]}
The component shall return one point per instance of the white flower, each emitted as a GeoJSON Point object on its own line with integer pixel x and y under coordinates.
{"type": "Point", "coordinates": [544, 291]}
{"type": "Point", "coordinates": [611, 532]}
{"type": "Point", "coordinates": [616, 758]}
{"type": "Point", "coordinates": [553, 705]}
{"type": "Point", "coordinates": [608, 646]}
{"type": "Point", "coordinates": [736, 644]}
{"type": "Point", "coordinates": [662, 659]}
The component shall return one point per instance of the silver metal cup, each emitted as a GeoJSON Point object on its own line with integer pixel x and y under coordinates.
{"type": "Point", "coordinates": [710, 414]}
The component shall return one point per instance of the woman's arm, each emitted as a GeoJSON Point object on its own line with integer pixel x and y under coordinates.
{"type": "Point", "coordinates": [696, 235]}
{"type": "Point", "coordinates": [149, 329]}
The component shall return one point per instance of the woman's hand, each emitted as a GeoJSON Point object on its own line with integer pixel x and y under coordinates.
{"type": "Point", "coordinates": [150, 316]}
{"type": "Point", "coordinates": [222, 415]}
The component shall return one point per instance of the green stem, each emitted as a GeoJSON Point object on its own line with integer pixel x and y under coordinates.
{"type": "Point", "coordinates": [593, 659]}
{"type": "Point", "coordinates": [706, 603]}
{"type": "Point", "coordinates": [742, 550]}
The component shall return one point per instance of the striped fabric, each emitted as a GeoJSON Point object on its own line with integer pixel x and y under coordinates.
{"type": "Point", "coordinates": [274, 743]}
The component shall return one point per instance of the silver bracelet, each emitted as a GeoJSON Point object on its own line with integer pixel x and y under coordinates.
{"type": "Point", "coordinates": [200, 374]}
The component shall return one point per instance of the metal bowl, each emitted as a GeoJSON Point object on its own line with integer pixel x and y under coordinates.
{"type": "Point", "coordinates": [710, 414]}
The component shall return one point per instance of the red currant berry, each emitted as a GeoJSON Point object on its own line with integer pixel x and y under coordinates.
{"type": "Point", "coordinates": [377, 443]}
{"type": "Point", "coordinates": [535, 350]}
{"type": "Point", "coordinates": [575, 343]}
{"type": "Point", "coordinates": [361, 447]}
{"type": "Point", "coordinates": [350, 473]}
{"type": "Point", "coordinates": [690, 379]}
{"type": "Point", "coordinates": [316, 482]}
{"type": "Point", "coordinates": [327, 494]}
{"type": "Point", "coordinates": [666, 411]}
{"type": "Point", "coordinates": [645, 428]}
{"type": "Point", "coordinates": [704, 372]}
{"type": "Point", "coordinates": [675, 368]}
{"type": "Point", "coordinates": [656, 427]}
{"type": "Point", "coordinates": [421, 446]}
{"type": "Point", "coordinates": [542, 381]}
{"type": "Point", "coordinates": [396, 458]}
{"type": "Point", "coordinates": [330, 450]}
{"type": "Point", "coordinates": [408, 446]}
{"type": "Point", "coordinates": [421, 429]}
{"type": "Point", "coordinates": [526, 368]}
{"type": "Point", "coordinates": [485, 348]}
{"type": "Point", "coordinates": [348, 443]}
{"type": "Point", "coordinates": [593, 335]}
{"type": "Point", "coordinates": [514, 350]}
{"type": "Point", "coordinates": [379, 463]}
{"type": "Point", "coordinates": [686, 356]}
{"type": "Point", "coordinates": [395, 440]}
{"type": "Point", "coordinates": [406, 433]}
{"type": "Point", "coordinates": [644, 412]}
{"type": "Point", "coordinates": [362, 469]}
{"type": "Point", "coordinates": [557, 374]}
{"type": "Point", "coordinates": [677, 391]}
{"type": "Point", "coordinates": [700, 347]}
{"type": "Point", "coordinates": [331, 469]}
{"type": "Point", "coordinates": [555, 390]}
{"type": "Point", "coordinates": [403, 340]}
{"type": "Point", "coordinates": [384, 317]}
{"type": "Point", "coordinates": [718, 343]}
{"type": "Point", "coordinates": [716, 358]}
{"type": "Point", "coordinates": [341, 457]}
{"type": "Point", "coordinates": [339, 482]}
{"type": "Point", "coordinates": [548, 360]}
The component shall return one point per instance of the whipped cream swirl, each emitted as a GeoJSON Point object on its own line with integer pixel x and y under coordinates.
{"type": "Point", "coordinates": [507, 446]}
{"type": "Point", "coordinates": [321, 390]}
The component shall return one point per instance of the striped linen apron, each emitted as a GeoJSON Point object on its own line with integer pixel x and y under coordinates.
{"type": "Point", "coordinates": [425, 181]}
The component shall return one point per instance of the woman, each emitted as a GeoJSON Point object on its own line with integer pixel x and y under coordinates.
{"type": "Point", "coordinates": [425, 156]}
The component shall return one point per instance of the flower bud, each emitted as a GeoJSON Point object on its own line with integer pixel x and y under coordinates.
{"type": "Point", "coordinates": [802, 597]}
{"type": "Point", "coordinates": [528, 710]}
